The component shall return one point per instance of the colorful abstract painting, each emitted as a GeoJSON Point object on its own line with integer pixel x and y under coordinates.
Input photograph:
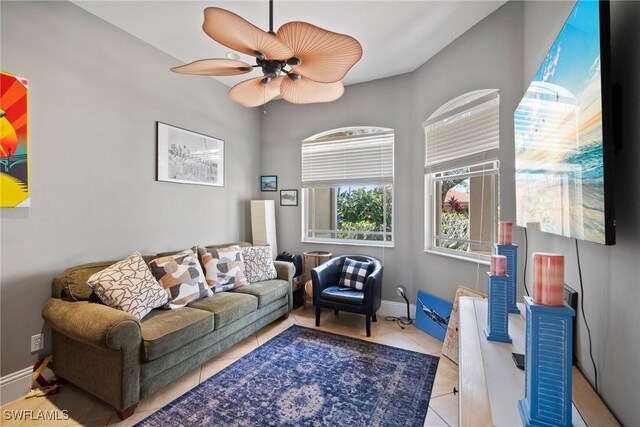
{"type": "Point", "coordinates": [559, 137]}
{"type": "Point", "coordinates": [14, 150]}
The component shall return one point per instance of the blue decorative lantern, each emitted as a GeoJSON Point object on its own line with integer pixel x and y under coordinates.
{"type": "Point", "coordinates": [498, 318]}
{"type": "Point", "coordinates": [511, 252]}
{"type": "Point", "coordinates": [548, 375]}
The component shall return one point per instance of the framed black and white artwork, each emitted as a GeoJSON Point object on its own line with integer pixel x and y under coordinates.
{"type": "Point", "coordinates": [288, 197]}
{"type": "Point", "coordinates": [188, 157]}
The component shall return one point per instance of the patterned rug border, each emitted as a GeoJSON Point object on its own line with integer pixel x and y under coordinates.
{"type": "Point", "coordinates": [286, 335]}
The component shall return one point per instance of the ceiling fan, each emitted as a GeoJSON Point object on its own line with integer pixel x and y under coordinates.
{"type": "Point", "coordinates": [301, 62]}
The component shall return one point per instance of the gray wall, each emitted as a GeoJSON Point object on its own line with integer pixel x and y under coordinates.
{"type": "Point", "coordinates": [96, 93]}
{"type": "Point", "coordinates": [403, 103]}
{"type": "Point", "coordinates": [503, 51]}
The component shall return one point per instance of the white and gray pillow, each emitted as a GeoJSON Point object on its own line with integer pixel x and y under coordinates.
{"type": "Point", "coordinates": [258, 262]}
{"type": "Point", "coordinates": [128, 285]}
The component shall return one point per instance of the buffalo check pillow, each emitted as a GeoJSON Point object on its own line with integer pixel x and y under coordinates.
{"type": "Point", "coordinates": [354, 273]}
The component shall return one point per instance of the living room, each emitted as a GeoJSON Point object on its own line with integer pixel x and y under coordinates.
{"type": "Point", "coordinates": [97, 92]}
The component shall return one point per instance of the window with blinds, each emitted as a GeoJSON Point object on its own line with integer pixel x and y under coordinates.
{"type": "Point", "coordinates": [347, 180]}
{"type": "Point", "coordinates": [462, 141]}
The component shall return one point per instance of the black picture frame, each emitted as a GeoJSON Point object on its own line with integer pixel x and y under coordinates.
{"type": "Point", "coordinates": [269, 183]}
{"type": "Point", "coordinates": [172, 163]}
{"type": "Point", "coordinates": [288, 197]}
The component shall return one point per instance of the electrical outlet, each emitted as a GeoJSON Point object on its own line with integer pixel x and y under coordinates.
{"type": "Point", "coordinates": [37, 342]}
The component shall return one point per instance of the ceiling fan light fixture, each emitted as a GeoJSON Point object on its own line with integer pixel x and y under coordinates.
{"type": "Point", "coordinates": [254, 92]}
{"type": "Point", "coordinates": [318, 59]}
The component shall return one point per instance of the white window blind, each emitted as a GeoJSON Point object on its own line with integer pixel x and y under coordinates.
{"type": "Point", "coordinates": [358, 159]}
{"type": "Point", "coordinates": [465, 133]}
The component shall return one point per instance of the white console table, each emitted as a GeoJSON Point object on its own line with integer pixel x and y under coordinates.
{"type": "Point", "coordinates": [490, 383]}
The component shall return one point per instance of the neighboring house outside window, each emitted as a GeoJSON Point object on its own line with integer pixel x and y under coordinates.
{"type": "Point", "coordinates": [347, 180]}
{"type": "Point", "coordinates": [462, 176]}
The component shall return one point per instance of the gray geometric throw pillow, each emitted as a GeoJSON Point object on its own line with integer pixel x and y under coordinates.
{"type": "Point", "coordinates": [258, 262]}
{"type": "Point", "coordinates": [128, 285]}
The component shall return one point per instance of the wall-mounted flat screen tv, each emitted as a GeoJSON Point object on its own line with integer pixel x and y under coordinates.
{"type": "Point", "coordinates": [563, 134]}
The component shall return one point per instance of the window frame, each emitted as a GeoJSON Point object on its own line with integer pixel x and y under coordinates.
{"type": "Point", "coordinates": [454, 109]}
{"type": "Point", "coordinates": [431, 216]}
{"type": "Point", "coordinates": [353, 242]}
{"type": "Point", "coordinates": [307, 193]}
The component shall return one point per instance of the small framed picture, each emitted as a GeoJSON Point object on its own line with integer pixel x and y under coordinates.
{"type": "Point", "coordinates": [288, 197]}
{"type": "Point", "coordinates": [269, 183]}
{"type": "Point", "coordinates": [188, 157]}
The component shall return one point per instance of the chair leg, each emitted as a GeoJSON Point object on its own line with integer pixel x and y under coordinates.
{"type": "Point", "coordinates": [335, 311]}
{"type": "Point", "coordinates": [317, 315]}
{"type": "Point", "coordinates": [368, 325]}
{"type": "Point", "coordinates": [374, 318]}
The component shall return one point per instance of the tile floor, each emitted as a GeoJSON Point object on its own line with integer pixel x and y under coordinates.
{"type": "Point", "coordinates": [84, 409]}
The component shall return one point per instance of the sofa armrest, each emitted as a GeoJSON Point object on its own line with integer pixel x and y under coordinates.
{"type": "Point", "coordinates": [285, 271]}
{"type": "Point", "coordinates": [93, 324]}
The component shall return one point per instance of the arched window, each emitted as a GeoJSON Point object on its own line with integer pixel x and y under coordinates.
{"type": "Point", "coordinates": [347, 180]}
{"type": "Point", "coordinates": [462, 175]}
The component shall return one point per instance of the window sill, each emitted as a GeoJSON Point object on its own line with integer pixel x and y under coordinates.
{"type": "Point", "coordinates": [341, 243]}
{"type": "Point", "coordinates": [475, 260]}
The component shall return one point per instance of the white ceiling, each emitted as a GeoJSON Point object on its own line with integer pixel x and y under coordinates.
{"type": "Point", "coordinates": [396, 36]}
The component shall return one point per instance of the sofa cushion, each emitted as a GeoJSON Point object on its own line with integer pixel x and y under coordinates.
{"type": "Point", "coordinates": [128, 285]}
{"type": "Point", "coordinates": [345, 295]}
{"type": "Point", "coordinates": [227, 307]}
{"type": "Point", "coordinates": [164, 331]}
{"type": "Point", "coordinates": [258, 262]}
{"type": "Point", "coordinates": [266, 292]}
{"type": "Point", "coordinates": [182, 277]}
{"type": "Point", "coordinates": [223, 267]}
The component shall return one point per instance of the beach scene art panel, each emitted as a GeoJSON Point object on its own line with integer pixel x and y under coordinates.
{"type": "Point", "coordinates": [558, 135]}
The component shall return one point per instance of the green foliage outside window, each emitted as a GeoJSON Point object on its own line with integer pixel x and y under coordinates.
{"type": "Point", "coordinates": [362, 210]}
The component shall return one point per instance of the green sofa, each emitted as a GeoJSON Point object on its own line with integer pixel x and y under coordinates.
{"type": "Point", "coordinates": [119, 359]}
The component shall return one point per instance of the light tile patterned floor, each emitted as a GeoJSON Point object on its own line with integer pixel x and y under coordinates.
{"type": "Point", "coordinates": [84, 409]}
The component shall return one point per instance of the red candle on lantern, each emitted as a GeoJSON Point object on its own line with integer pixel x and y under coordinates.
{"type": "Point", "coordinates": [505, 231]}
{"type": "Point", "coordinates": [548, 279]}
{"type": "Point", "coordinates": [498, 265]}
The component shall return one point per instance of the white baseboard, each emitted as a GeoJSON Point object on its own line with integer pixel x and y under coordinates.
{"type": "Point", "coordinates": [396, 309]}
{"type": "Point", "coordinates": [15, 385]}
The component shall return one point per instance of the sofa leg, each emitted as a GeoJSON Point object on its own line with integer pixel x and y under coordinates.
{"type": "Point", "coordinates": [374, 318]}
{"type": "Point", "coordinates": [368, 325]}
{"type": "Point", "coordinates": [335, 311]}
{"type": "Point", "coordinates": [286, 316]}
{"type": "Point", "coordinates": [126, 413]}
{"type": "Point", "coordinates": [317, 315]}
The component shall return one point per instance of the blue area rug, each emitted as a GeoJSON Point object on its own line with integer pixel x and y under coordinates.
{"type": "Point", "coordinates": [313, 378]}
